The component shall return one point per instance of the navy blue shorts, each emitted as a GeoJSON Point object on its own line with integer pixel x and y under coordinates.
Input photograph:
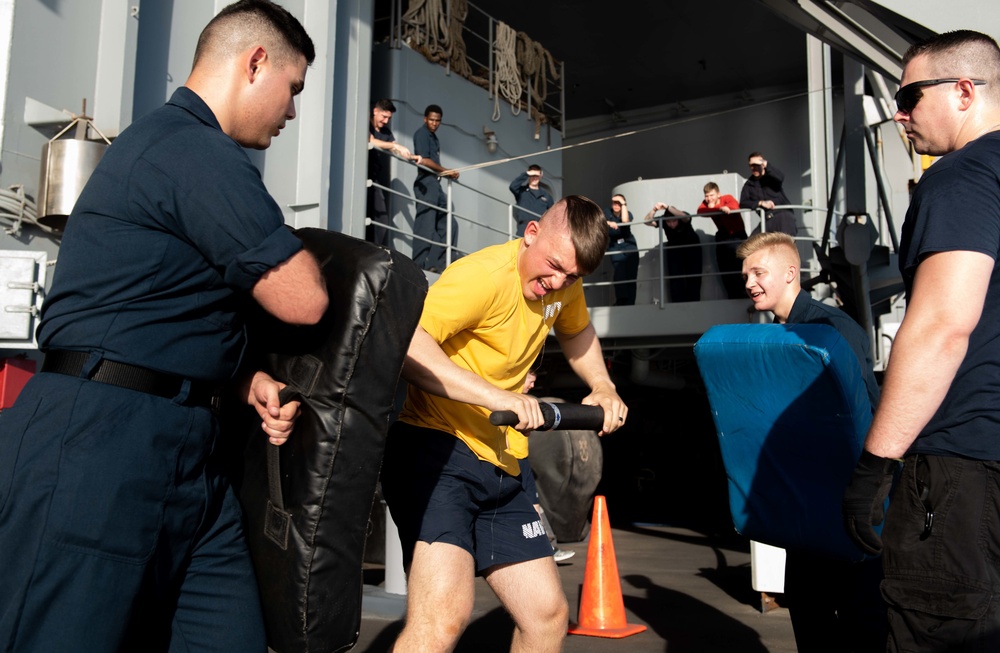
{"type": "Point", "coordinates": [437, 490]}
{"type": "Point", "coordinates": [528, 481]}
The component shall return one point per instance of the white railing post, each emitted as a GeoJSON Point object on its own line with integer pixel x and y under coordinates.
{"type": "Point", "coordinates": [448, 228]}
{"type": "Point", "coordinates": [395, 576]}
{"type": "Point", "coordinates": [663, 282]}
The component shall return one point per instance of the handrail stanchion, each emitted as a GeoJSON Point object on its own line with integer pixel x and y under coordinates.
{"type": "Point", "coordinates": [663, 283]}
{"type": "Point", "coordinates": [447, 229]}
{"type": "Point", "coordinates": [395, 576]}
{"type": "Point", "coordinates": [511, 222]}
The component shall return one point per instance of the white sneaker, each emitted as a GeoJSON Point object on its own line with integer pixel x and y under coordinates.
{"type": "Point", "coordinates": [561, 555]}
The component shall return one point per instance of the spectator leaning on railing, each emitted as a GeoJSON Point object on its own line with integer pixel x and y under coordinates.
{"type": "Point", "coordinates": [763, 191]}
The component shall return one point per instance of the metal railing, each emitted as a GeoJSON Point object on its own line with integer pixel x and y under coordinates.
{"type": "Point", "coordinates": [498, 226]}
{"type": "Point", "coordinates": [495, 235]}
{"type": "Point", "coordinates": [810, 264]}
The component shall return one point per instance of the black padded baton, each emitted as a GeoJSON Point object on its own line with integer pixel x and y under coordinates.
{"type": "Point", "coordinates": [557, 416]}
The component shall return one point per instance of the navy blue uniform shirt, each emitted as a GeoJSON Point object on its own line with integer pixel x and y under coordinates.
{"type": "Point", "coordinates": [537, 200]}
{"type": "Point", "coordinates": [378, 163]}
{"type": "Point", "coordinates": [956, 207]}
{"type": "Point", "coordinates": [172, 231]}
{"type": "Point", "coordinates": [624, 230]}
{"type": "Point", "coordinates": [806, 310]}
{"type": "Point", "coordinates": [426, 144]}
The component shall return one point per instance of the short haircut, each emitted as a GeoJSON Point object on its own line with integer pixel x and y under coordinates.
{"type": "Point", "coordinates": [625, 201]}
{"type": "Point", "coordinates": [711, 186]}
{"type": "Point", "coordinates": [433, 108]}
{"type": "Point", "coordinates": [385, 105]}
{"type": "Point", "coordinates": [535, 166]}
{"type": "Point", "coordinates": [252, 22]}
{"type": "Point", "coordinates": [768, 240]}
{"type": "Point", "coordinates": [962, 53]}
{"type": "Point", "coordinates": [588, 229]}
{"type": "Point", "coordinates": [753, 154]}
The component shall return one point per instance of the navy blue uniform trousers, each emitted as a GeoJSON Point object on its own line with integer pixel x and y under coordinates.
{"type": "Point", "coordinates": [118, 529]}
{"type": "Point", "coordinates": [942, 574]}
{"type": "Point", "coordinates": [625, 262]}
{"type": "Point", "coordinates": [431, 223]}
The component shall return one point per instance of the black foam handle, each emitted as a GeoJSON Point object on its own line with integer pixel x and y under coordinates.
{"type": "Point", "coordinates": [557, 416]}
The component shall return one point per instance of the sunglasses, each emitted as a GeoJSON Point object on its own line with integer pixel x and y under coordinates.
{"type": "Point", "coordinates": [908, 96]}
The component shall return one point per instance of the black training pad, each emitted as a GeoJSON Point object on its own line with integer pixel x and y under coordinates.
{"type": "Point", "coordinates": [346, 368]}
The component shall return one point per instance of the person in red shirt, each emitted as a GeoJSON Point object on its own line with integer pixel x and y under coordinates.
{"type": "Point", "coordinates": [730, 233]}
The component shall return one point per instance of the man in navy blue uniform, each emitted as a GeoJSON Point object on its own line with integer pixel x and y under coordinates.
{"type": "Point", "coordinates": [381, 137]}
{"type": "Point", "coordinates": [529, 195]}
{"type": "Point", "coordinates": [835, 605]}
{"type": "Point", "coordinates": [940, 408]}
{"type": "Point", "coordinates": [118, 526]}
{"type": "Point", "coordinates": [429, 222]}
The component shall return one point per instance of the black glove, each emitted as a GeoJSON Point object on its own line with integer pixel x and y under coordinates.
{"type": "Point", "coordinates": [864, 500]}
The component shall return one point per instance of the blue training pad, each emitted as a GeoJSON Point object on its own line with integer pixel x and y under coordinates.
{"type": "Point", "coordinates": [791, 412]}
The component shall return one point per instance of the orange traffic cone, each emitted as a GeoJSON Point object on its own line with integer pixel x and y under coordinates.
{"type": "Point", "coordinates": [602, 609]}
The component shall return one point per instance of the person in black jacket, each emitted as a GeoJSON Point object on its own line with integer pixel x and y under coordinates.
{"type": "Point", "coordinates": [683, 255]}
{"type": "Point", "coordinates": [624, 253]}
{"type": "Point", "coordinates": [763, 191]}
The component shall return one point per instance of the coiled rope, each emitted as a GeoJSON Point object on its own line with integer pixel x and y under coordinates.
{"type": "Point", "coordinates": [532, 58]}
{"type": "Point", "coordinates": [506, 80]}
{"type": "Point", "coordinates": [458, 52]}
{"type": "Point", "coordinates": [430, 29]}
{"type": "Point", "coordinates": [17, 209]}
{"type": "Point", "coordinates": [427, 28]}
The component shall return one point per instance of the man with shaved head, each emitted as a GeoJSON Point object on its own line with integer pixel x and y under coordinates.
{"type": "Point", "coordinates": [451, 479]}
{"type": "Point", "coordinates": [119, 530]}
{"type": "Point", "coordinates": [940, 409]}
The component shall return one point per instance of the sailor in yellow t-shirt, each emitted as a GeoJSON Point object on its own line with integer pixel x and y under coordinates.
{"type": "Point", "coordinates": [449, 477]}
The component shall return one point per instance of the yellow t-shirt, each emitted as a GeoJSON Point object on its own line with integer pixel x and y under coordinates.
{"type": "Point", "coordinates": [478, 314]}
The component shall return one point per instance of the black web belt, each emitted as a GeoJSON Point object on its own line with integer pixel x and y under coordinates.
{"type": "Point", "coordinates": [131, 377]}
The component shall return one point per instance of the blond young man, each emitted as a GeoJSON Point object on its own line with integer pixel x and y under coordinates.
{"type": "Point", "coordinates": [834, 605]}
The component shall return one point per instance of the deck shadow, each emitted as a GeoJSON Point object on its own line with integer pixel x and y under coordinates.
{"type": "Point", "coordinates": [688, 625]}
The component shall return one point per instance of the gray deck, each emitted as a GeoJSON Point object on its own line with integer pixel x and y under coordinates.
{"type": "Point", "coordinates": [691, 590]}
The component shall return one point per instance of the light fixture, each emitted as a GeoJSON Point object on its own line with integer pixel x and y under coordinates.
{"type": "Point", "coordinates": [491, 141]}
